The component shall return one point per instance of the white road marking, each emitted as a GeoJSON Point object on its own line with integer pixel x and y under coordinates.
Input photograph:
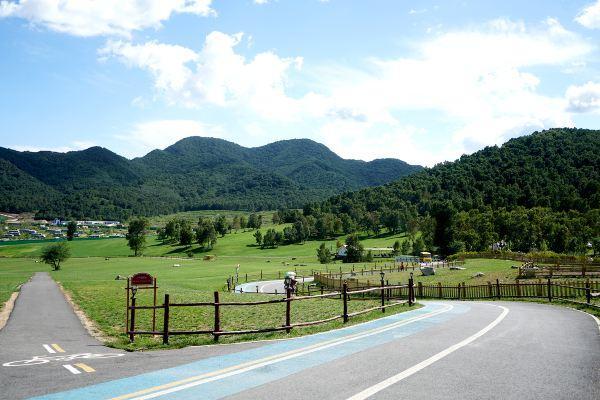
{"type": "Point", "coordinates": [49, 349]}
{"type": "Point", "coordinates": [591, 315]}
{"type": "Point", "coordinates": [423, 364]}
{"type": "Point", "coordinates": [241, 368]}
{"type": "Point", "coordinates": [72, 369]}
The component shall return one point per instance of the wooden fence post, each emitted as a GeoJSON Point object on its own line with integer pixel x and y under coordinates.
{"type": "Point", "coordinates": [518, 288]}
{"type": "Point", "coordinates": [440, 290]}
{"type": "Point", "coordinates": [498, 288]}
{"type": "Point", "coordinates": [288, 309]}
{"type": "Point", "coordinates": [411, 291]}
{"type": "Point", "coordinates": [345, 301]}
{"type": "Point", "coordinates": [127, 309]}
{"type": "Point", "coordinates": [154, 304]}
{"type": "Point", "coordinates": [588, 292]}
{"type": "Point", "coordinates": [464, 290]}
{"type": "Point", "coordinates": [490, 294]}
{"type": "Point", "coordinates": [549, 290]}
{"type": "Point", "coordinates": [420, 289]}
{"type": "Point", "coordinates": [132, 320]}
{"type": "Point", "coordinates": [382, 295]}
{"type": "Point", "coordinates": [218, 318]}
{"type": "Point", "coordinates": [458, 292]}
{"type": "Point", "coordinates": [166, 320]}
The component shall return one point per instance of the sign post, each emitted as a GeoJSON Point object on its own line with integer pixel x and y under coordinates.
{"type": "Point", "coordinates": [141, 280]}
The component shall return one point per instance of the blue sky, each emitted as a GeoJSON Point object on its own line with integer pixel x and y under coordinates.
{"type": "Point", "coordinates": [423, 81]}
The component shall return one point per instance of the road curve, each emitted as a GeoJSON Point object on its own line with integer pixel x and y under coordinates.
{"type": "Point", "coordinates": [467, 350]}
{"type": "Point", "coordinates": [275, 286]}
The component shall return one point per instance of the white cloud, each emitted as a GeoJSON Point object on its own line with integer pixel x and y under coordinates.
{"type": "Point", "coordinates": [584, 98]}
{"type": "Point", "coordinates": [76, 145]}
{"type": "Point", "coordinates": [215, 75]}
{"type": "Point", "coordinates": [590, 16]}
{"type": "Point", "coordinates": [147, 136]}
{"type": "Point", "coordinates": [479, 80]}
{"type": "Point", "coordinates": [101, 17]}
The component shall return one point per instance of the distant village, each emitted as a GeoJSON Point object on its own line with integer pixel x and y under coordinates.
{"type": "Point", "coordinates": [23, 227]}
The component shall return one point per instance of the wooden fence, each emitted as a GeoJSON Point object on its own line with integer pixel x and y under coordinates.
{"type": "Point", "coordinates": [525, 257]}
{"type": "Point", "coordinates": [329, 278]}
{"type": "Point", "coordinates": [385, 293]}
{"type": "Point", "coordinates": [529, 270]}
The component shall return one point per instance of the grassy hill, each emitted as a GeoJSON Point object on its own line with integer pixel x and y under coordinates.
{"type": "Point", "coordinates": [194, 173]}
{"type": "Point", "coordinates": [540, 191]}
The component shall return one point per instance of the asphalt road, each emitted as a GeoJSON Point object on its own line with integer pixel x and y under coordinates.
{"type": "Point", "coordinates": [275, 286]}
{"type": "Point", "coordinates": [467, 350]}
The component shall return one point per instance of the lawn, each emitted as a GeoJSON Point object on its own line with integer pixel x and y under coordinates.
{"type": "Point", "coordinates": [13, 274]}
{"type": "Point", "coordinates": [235, 244]}
{"type": "Point", "coordinates": [90, 277]}
{"type": "Point", "coordinates": [492, 270]}
{"type": "Point", "coordinates": [91, 281]}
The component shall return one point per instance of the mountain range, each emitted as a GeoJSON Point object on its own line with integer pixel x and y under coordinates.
{"type": "Point", "coordinates": [194, 173]}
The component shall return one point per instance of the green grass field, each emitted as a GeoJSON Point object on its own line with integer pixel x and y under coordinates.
{"type": "Point", "coordinates": [90, 277]}
{"type": "Point", "coordinates": [492, 270]}
{"type": "Point", "coordinates": [235, 244]}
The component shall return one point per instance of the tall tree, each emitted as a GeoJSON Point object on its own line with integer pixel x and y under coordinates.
{"type": "Point", "coordinates": [136, 235]}
{"type": "Point", "coordinates": [354, 249]}
{"type": "Point", "coordinates": [206, 234]}
{"type": "Point", "coordinates": [221, 225]}
{"type": "Point", "coordinates": [186, 236]}
{"type": "Point", "coordinates": [71, 230]}
{"type": "Point", "coordinates": [55, 254]}
{"type": "Point", "coordinates": [258, 237]}
{"type": "Point", "coordinates": [323, 254]}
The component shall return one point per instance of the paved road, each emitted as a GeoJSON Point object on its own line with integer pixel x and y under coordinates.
{"type": "Point", "coordinates": [467, 350]}
{"type": "Point", "coordinates": [275, 286]}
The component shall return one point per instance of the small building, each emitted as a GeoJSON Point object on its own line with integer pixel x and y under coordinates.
{"type": "Point", "coordinates": [342, 252]}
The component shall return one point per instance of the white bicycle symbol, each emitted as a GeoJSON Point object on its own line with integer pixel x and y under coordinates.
{"type": "Point", "coordinates": [46, 359]}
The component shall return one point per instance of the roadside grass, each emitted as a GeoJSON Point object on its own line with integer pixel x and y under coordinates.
{"type": "Point", "coordinates": [14, 274]}
{"type": "Point", "coordinates": [232, 318]}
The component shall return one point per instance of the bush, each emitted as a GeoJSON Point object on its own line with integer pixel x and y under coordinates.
{"type": "Point", "coordinates": [55, 253]}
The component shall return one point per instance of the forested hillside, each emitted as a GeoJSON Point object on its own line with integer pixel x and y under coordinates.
{"type": "Point", "coordinates": [540, 191]}
{"type": "Point", "coordinates": [194, 173]}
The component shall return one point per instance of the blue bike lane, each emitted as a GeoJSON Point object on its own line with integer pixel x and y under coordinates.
{"type": "Point", "coordinates": [220, 376]}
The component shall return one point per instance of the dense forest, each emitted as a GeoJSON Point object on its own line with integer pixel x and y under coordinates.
{"type": "Point", "coordinates": [194, 173]}
{"type": "Point", "coordinates": [540, 192]}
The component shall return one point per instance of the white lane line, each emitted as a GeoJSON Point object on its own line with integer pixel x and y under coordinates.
{"type": "Point", "coordinates": [49, 349]}
{"type": "Point", "coordinates": [423, 364]}
{"type": "Point", "coordinates": [591, 315]}
{"type": "Point", "coordinates": [72, 369]}
{"type": "Point", "coordinates": [176, 386]}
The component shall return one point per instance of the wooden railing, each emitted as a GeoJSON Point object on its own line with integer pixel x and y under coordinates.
{"type": "Point", "coordinates": [569, 291]}
{"type": "Point", "coordinates": [385, 293]}
{"type": "Point", "coordinates": [529, 270]}
{"type": "Point", "coordinates": [336, 279]}
{"type": "Point", "coordinates": [527, 257]}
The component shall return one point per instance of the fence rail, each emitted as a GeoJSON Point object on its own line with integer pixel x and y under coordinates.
{"type": "Point", "coordinates": [524, 257]}
{"type": "Point", "coordinates": [335, 280]}
{"type": "Point", "coordinates": [390, 296]}
{"type": "Point", "coordinates": [531, 270]}
{"type": "Point", "coordinates": [547, 290]}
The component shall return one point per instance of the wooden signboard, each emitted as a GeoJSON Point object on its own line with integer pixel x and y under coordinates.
{"type": "Point", "coordinates": [142, 279]}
